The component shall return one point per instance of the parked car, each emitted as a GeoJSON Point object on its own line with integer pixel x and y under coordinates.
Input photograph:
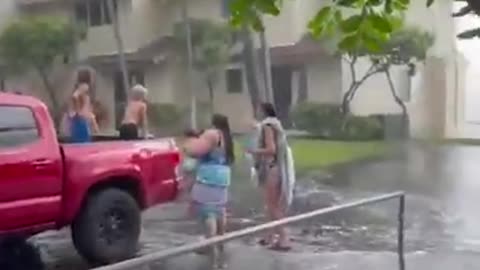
{"type": "Point", "coordinates": [98, 189]}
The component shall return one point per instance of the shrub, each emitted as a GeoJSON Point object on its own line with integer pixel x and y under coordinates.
{"type": "Point", "coordinates": [327, 121]}
{"type": "Point", "coordinates": [170, 119]}
{"type": "Point", "coordinates": [165, 118]}
{"type": "Point", "coordinates": [318, 119]}
{"type": "Point", "coordinates": [362, 128]}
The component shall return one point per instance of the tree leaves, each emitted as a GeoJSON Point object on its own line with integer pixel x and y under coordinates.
{"type": "Point", "coordinates": [469, 34]}
{"type": "Point", "coordinates": [381, 23]}
{"type": "Point", "coordinates": [247, 12]}
{"type": "Point", "coordinates": [211, 42]}
{"type": "Point", "coordinates": [36, 42]}
{"type": "Point", "coordinates": [351, 24]}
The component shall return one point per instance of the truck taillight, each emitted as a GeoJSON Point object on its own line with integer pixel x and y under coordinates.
{"type": "Point", "coordinates": [176, 159]}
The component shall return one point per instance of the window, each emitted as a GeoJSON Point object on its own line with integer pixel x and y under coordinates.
{"type": "Point", "coordinates": [234, 80]}
{"type": "Point", "coordinates": [225, 8]}
{"type": "Point", "coordinates": [137, 77]}
{"type": "Point", "coordinates": [17, 126]}
{"type": "Point", "coordinates": [94, 12]}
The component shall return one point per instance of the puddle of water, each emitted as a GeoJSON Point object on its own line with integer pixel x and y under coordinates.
{"type": "Point", "coordinates": [441, 217]}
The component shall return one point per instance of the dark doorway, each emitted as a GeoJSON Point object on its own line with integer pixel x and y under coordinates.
{"type": "Point", "coordinates": [282, 92]}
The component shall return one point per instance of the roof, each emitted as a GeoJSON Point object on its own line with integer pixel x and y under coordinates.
{"type": "Point", "coordinates": [154, 52]}
{"type": "Point", "coordinates": [158, 51]}
{"type": "Point", "coordinates": [298, 53]}
{"type": "Point", "coordinates": [36, 2]}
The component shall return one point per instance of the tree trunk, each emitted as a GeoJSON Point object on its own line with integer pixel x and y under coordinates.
{"type": "Point", "coordinates": [251, 69]}
{"type": "Point", "coordinates": [346, 99]}
{"type": "Point", "coordinates": [267, 68]}
{"type": "Point", "coordinates": [211, 96]}
{"type": "Point", "coordinates": [56, 110]}
{"type": "Point", "coordinates": [76, 39]}
{"type": "Point", "coordinates": [353, 85]}
{"type": "Point", "coordinates": [302, 87]}
{"type": "Point", "coordinates": [119, 42]}
{"type": "Point", "coordinates": [193, 96]}
{"type": "Point", "coordinates": [399, 101]}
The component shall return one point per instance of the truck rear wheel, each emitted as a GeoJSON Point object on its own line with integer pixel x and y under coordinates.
{"type": "Point", "coordinates": [108, 227]}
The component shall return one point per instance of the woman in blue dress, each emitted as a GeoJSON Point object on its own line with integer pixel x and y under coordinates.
{"type": "Point", "coordinates": [209, 195]}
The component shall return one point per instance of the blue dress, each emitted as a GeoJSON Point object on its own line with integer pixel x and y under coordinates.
{"type": "Point", "coordinates": [79, 129]}
{"type": "Point", "coordinates": [210, 191]}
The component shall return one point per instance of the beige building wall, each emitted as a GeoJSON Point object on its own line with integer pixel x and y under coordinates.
{"type": "Point", "coordinates": [373, 97]}
{"type": "Point", "coordinates": [100, 40]}
{"type": "Point", "coordinates": [160, 81]}
{"type": "Point", "coordinates": [324, 81]}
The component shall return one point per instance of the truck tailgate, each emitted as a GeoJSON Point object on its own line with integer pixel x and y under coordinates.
{"type": "Point", "coordinates": [151, 163]}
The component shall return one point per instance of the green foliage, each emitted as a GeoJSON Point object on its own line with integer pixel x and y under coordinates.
{"type": "Point", "coordinates": [362, 128]}
{"type": "Point", "coordinates": [36, 42]}
{"type": "Point", "coordinates": [211, 47]}
{"type": "Point", "coordinates": [246, 12]}
{"type": "Point", "coordinates": [358, 25]}
{"type": "Point", "coordinates": [170, 119]}
{"type": "Point", "coordinates": [163, 114]}
{"type": "Point", "coordinates": [319, 119]}
{"type": "Point", "coordinates": [407, 45]}
{"type": "Point", "coordinates": [164, 118]}
{"type": "Point", "coordinates": [327, 121]}
{"type": "Point", "coordinates": [470, 7]}
{"type": "Point", "coordinates": [211, 42]}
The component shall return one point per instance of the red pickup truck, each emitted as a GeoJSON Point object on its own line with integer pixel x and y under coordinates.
{"type": "Point", "coordinates": [99, 189]}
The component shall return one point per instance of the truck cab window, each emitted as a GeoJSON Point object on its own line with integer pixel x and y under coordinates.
{"type": "Point", "coordinates": [17, 126]}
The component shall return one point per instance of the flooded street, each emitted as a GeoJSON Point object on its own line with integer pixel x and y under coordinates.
{"type": "Point", "coordinates": [442, 223]}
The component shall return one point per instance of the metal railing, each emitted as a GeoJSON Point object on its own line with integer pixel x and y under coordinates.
{"type": "Point", "coordinates": [181, 250]}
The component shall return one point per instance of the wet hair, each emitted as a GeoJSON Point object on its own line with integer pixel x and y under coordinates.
{"type": "Point", "coordinates": [268, 109]}
{"type": "Point", "coordinates": [17, 254]}
{"type": "Point", "coordinates": [84, 76]}
{"type": "Point", "coordinates": [139, 92]}
{"type": "Point", "coordinates": [221, 123]}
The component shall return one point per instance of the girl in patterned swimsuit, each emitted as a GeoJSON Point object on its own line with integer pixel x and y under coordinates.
{"type": "Point", "coordinates": [209, 195]}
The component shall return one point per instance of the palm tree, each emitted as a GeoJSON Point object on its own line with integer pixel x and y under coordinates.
{"type": "Point", "coordinates": [119, 41]}
{"type": "Point", "coordinates": [267, 67]}
{"type": "Point", "coordinates": [251, 67]}
{"type": "Point", "coordinates": [193, 96]}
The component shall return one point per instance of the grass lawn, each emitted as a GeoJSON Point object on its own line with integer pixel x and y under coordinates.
{"type": "Point", "coordinates": [311, 154]}
{"type": "Point", "coordinates": [315, 154]}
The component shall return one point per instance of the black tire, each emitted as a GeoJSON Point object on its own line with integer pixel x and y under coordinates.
{"type": "Point", "coordinates": [108, 227]}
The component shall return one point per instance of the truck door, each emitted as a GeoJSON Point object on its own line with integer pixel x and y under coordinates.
{"type": "Point", "coordinates": [30, 171]}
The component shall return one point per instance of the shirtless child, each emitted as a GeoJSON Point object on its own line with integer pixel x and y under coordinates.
{"type": "Point", "coordinates": [135, 123]}
{"type": "Point", "coordinates": [82, 122]}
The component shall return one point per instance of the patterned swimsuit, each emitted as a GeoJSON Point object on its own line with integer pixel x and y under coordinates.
{"type": "Point", "coordinates": [210, 191]}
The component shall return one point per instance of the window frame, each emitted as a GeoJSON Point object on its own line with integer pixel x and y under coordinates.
{"type": "Point", "coordinates": [35, 123]}
{"type": "Point", "coordinates": [240, 78]}
{"type": "Point", "coordinates": [225, 8]}
{"type": "Point", "coordinates": [86, 6]}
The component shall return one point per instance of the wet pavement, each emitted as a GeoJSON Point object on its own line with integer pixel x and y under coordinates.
{"type": "Point", "coordinates": [442, 223]}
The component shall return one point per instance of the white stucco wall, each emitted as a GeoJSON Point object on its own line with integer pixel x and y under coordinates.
{"type": "Point", "coordinates": [374, 97]}
{"type": "Point", "coordinates": [324, 81]}
{"type": "Point", "coordinates": [8, 12]}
